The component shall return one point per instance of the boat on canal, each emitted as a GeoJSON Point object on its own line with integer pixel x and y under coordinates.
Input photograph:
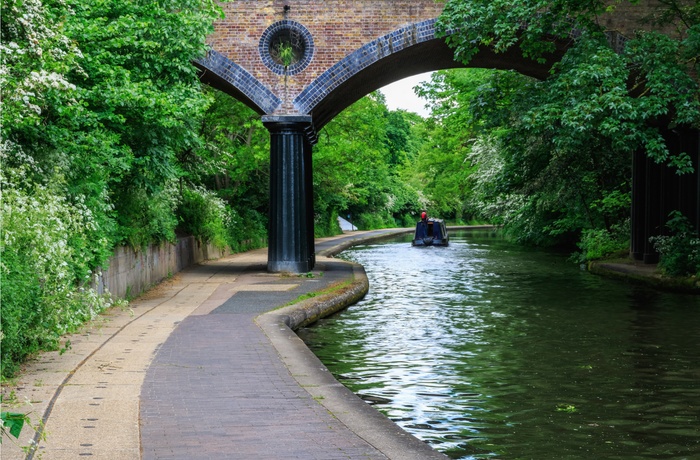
{"type": "Point", "coordinates": [431, 232]}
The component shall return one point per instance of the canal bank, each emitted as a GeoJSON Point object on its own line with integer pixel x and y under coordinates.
{"type": "Point", "coordinates": [207, 366]}
{"type": "Point", "coordinates": [647, 274]}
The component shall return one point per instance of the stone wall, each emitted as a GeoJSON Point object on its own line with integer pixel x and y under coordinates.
{"type": "Point", "coordinates": [131, 272]}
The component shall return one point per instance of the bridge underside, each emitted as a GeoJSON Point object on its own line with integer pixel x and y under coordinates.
{"type": "Point", "coordinates": [423, 57]}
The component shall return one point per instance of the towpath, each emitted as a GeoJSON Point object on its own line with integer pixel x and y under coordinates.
{"type": "Point", "coordinates": [204, 366]}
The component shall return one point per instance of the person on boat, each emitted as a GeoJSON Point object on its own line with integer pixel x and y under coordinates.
{"type": "Point", "coordinates": [424, 216]}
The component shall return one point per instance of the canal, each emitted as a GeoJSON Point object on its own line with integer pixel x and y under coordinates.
{"type": "Point", "coordinates": [486, 350]}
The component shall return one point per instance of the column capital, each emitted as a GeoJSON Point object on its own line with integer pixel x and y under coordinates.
{"type": "Point", "coordinates": [287, 119]}
{"type": "Point", "coordinates": [305, 123]}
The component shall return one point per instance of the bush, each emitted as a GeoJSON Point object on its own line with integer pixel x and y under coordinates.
{"type": "Point", "coordinates": [247, 229]}
{"type": "Point", "coordinates": [49, 248]}
{"type": "Point", "coordinates": [148, 217]}
{"type": "Point", "coordinates": [326, 224]}
{"type": "Point", "coordinates": [204, 215]}
{"type": "Point", "coordinates": [680, 251]}
{"type": "Point", "coordinates": [372, 221]}
{"type": "Point", "coordinates": [600, 243]}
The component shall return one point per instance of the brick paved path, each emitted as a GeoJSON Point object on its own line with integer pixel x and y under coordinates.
{"type": "Point", "coordinates": [218, 389]}
{"type": "Point", "coordinates": [193, 371]}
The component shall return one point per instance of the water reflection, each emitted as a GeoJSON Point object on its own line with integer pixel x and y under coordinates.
{"type": "Point", "coordinates": [486, 350]}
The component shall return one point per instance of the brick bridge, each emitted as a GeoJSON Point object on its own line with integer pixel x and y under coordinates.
{"type": "Point", "coordinates": [299, 63]}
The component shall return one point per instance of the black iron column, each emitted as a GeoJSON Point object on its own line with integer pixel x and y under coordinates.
{"type": "Point", "coordinates": [638, 223]}
{"type": "Point", "coordinates": [290, 232]}
{"type": "Point", "coordinates": [309, 178]}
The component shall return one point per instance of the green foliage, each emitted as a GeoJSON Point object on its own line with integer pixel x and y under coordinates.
{"type": "Point", "coordinates": [12, 424]}
{"type": "Point", "coordinates": [99, 99]}
{"type": "Point", "coordinates": [588, 90]}
{"type": "Point", "coordinates": [286, 54]}
{"type": "Point", "coordinates": [247, 229]}
{"type": "Point", "coordinates": [137, 83]}
{"type": "Point", "coordinates": [602, 243]}
{"type": "Point", "coordinates": [204, 215]}
{"type": "Point", "coordinates": [550, 159]}
{"type": "Point", "coordinates": [234, 157]}
{"type": "Point", "coordinates": [50, 244]}
{"type": "Point", "coordinates": [145, 217]}
{"type": "Point", "coordinates": [356, 167]}
{"type": "Point", "coordinates": [680, 251]}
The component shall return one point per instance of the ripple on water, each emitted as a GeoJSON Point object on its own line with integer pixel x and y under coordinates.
{"type": "Point", "coordinates": [487, 350]}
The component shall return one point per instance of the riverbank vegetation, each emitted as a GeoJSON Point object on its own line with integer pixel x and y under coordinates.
{"type": "Point", "coordinates": [109, 138]}
{"type": "Point", "coordinates": [552, 158]}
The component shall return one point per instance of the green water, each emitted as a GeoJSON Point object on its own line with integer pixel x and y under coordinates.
{"type": "Point", "coordinates": [488, 350]}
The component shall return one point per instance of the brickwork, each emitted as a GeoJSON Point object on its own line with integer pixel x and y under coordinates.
{"type": "Point", "coordinates": [344, 39]}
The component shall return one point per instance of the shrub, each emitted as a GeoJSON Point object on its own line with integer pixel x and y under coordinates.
{"type": "Point", "coordinates": [326, 224]}
{"type": "Point", "coordinates": [204, 215]}
{"type": "Point", "coordinates": [147, 217]}
{"type": "Point", "coordinates": [48, 252]}
{"type": "Point", "coordinates": [680, 251]}
{"type": "Point", "coordinates": [600, 243]}
{"type": "Point", "coordinates": [247, 229]}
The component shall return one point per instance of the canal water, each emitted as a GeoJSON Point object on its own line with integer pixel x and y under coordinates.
{"type": "Point", "coordinates": [489, 350]}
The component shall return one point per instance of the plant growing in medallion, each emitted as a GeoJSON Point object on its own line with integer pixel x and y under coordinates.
{"type": "Point", "coordinates": [286, 54]}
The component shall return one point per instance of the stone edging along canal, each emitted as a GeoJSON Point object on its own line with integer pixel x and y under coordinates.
{"type": "Point", "coordinates": [365, 421]}
{"type": "Point", "coordinates": [279, 325]}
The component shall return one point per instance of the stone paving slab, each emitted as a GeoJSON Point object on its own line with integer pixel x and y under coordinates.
{"type": "Point", "coordinates": [187, 373]}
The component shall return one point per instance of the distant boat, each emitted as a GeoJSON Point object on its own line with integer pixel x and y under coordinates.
{"type": "Point", "coordinates": [431, 232]}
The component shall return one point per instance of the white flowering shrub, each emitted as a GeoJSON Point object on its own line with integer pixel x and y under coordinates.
{"type": "Point", "coordinates": [36, 55]}
{"type": "Point", "coordinates": [680, 251]}
{"type": "Point", "coordinates": [44, 266]}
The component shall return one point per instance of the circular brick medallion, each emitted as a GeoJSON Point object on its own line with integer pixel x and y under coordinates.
{"type": "Point", "coordinates": [286, 47]}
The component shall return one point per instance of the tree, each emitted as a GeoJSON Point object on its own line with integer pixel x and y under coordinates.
{"type": "Point", "coordinates": [656, 64]}
{"type": "Point", "coordinates": [99, 98]}
{"type": "Point", "coordinates": [356, 165]}
{"type": "Point", "coordinates": [561, 147]}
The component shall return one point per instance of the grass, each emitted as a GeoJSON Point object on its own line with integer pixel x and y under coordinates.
{"type": "Point", "coordinates": [332, 289]}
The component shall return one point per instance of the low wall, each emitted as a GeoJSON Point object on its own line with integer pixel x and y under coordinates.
{"type": "Point", "coordinates": [131, 272]}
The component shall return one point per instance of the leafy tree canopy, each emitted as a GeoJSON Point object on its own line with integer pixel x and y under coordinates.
{"type": "Point", "coordinates": [594, 89]}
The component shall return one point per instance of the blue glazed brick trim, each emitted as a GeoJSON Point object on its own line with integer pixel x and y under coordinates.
{"type": "Point", "coordinates": [362, 58]}
{"type": "Point", "coordinates": [303, 33]}
{"type": "Point", "coordinates": [241, 79]}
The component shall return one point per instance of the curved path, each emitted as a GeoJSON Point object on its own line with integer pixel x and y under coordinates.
{"type": "Point", "coordinates": [206, 366]}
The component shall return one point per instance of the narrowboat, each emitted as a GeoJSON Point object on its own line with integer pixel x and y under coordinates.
{"type": "Point", "coordinates": [431, 232]}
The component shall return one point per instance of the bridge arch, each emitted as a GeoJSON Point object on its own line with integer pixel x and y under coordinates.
{"type": "Point", "coordinates": [411, 49]}
{"type": "Point", "coordinates": [407, 51]}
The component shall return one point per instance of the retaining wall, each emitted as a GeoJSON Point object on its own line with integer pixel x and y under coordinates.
{"type": "Point", "coordinates": [131, 272]}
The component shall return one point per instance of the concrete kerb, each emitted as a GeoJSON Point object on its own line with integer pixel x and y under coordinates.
{"type": "Point", "coordinates": [377, 430]}
{"type": "Point", "coordinates": [369, 424]}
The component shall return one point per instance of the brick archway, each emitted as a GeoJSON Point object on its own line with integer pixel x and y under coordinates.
{"type": "Point", "coordinates": [409, 50]}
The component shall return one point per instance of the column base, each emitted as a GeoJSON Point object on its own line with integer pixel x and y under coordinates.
{"type": "Point", "coordinates": [291, 266]}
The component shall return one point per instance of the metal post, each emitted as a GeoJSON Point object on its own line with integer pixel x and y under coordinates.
{"type": "Point", "coordinates": [290, 237]}
{"type": "Point", "coordinates": [638, 223]}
